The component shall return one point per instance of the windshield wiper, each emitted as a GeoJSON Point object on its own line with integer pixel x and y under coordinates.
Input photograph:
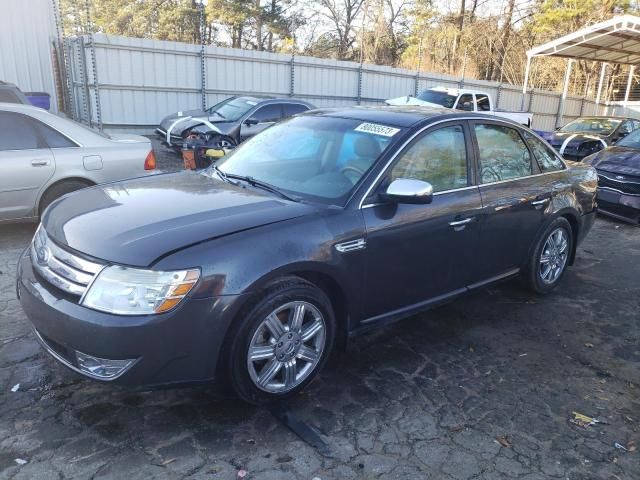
{"type": "Point", "coordinates": [223, 176]}
{"type": "Point", "coordinates": [219, 114]}
{"type": "Point", "coordinates": [257, 183]}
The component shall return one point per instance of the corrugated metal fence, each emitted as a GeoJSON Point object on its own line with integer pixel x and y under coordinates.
{"type": "Point", "coordinates": [130, 83]}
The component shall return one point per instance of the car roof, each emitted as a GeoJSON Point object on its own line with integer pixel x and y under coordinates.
{"type": "Point", "coordinates": [603, 117]}
{"type": "Point", "coordinates": [20, 107]}
{"type": "Point", "coordinates": [397, 116]}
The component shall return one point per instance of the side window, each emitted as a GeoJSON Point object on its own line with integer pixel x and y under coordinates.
{"type": "Point", "coordinates": [7, 96]}
{"type": "Point", "coordinates": [291, 109]}
{"type": "Point", "coordinates": [636, 124]}
{"type": "Point", "coordinates": [465, 102]}
{"type": "Point", "coordinates": [503, 153]}
{"type": "Point", "coordinates": [268, 113]}
{"type": "Point", "coordinates": [439, 157]}
{"type": "Point", "coordinates": [17, 132]}
{"type": "Point", "coordinates": [548, 161]}
{"type": "Point", "coordinates": [52, 138]}
{"type": "Point", "coordinates": [483, 103]}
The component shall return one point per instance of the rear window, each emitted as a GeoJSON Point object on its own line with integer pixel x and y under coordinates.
{"type": "Point", "coordinates": [7, 96]}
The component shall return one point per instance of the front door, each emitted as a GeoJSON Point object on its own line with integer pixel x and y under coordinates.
{"type": "Point", "coordinates": [26, 164]}
{"type": "Point", "coordinates": [262, 118]}
{"type": "Point", "coordinates": [418, 253]}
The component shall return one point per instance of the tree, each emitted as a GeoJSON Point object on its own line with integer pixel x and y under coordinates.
{"type": "Point", "coordinates": [341, 16]}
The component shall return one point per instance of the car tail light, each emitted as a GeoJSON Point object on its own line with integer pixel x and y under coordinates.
{"type": "Point", "coordinates": [150, 161]}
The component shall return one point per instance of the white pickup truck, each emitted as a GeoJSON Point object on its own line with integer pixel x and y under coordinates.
{"type": "Point", "coordinates": [461, 99]}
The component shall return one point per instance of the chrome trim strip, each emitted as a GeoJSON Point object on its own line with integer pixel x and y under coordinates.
{"type": "Point", "coordinates": [351, 245]}
{"type": "Point", "coordinates": [68, 272]}
{"type": "Point", "coordinates": [619, 191]}
{"type": "Point", "coordinates": [70, 365]}
{"type": "Point", "coordinates": [55, 279]}
{"type": "Point", "coordinates": [616, 180]}
{"type": "Point", "coordinates": [453, 120]}
{"type": "Point", "coordinates": [73, 260]}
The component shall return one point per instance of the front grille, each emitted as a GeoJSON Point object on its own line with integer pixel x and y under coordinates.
{"type": "Point", "coordinates": [628, 185]}
{"type": "Point", "coordinates": [59, 267]}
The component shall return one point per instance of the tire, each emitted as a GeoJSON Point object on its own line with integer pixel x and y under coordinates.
{"type": "Point", "coordinates": [58, 190]}
{"type": "Point", "coordinates": [222, 141]}
{"type": "Point", "coordinates": [284, 366]}
{"type": "Point", "coordinates": [544, 276]}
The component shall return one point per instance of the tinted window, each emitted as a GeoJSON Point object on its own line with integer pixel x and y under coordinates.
{"type": "Point", "coordinates": [439, 157]}
{"type": "Point", "coordinates": [483, 103]}
{"type": "Point", "coordinates": [626, 128]}
{"type": "Point", "coordinates": [548, 161]}
{"type": "Point", "coordinates": [291, 109]}
{"type": "Point", "coordinates": [503, 153]}
{"type": "Point", "coordinates": [52, 138]}
{"type": "Point", "coordinates": [468, 99]}
{"type": "Point", "coordinates": [17, 132]}
{"type": "Point", "coordinates": [8, 96]}
{"type": "Point", "coordinates": [268, 113]}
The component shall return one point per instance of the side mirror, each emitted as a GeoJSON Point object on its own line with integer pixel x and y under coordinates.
{"type": "Point", "coordinates": [215, 153]}
{"type": "Point", "coordinates": [407, 190]}
{"type": "Point", "coordinates": [251, 121]}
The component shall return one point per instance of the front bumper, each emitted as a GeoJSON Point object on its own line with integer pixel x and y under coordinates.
{"type": "Point", "coordinates": [179, 347]}
{"type": "Point", "coordinates": [619, 205]}
{"type": "Point", "coordinates": [175, 141]}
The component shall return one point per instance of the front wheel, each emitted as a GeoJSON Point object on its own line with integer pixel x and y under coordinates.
{"type": "Point", "coordinates": [550, 257]}
{"type": "Point", "coordinates": [282, 342]}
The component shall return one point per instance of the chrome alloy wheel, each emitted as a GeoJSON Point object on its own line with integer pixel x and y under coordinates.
{"type": "Point", "coordinates": [286, 347]}
{"type": "Point", "coordinates": [554, 255]}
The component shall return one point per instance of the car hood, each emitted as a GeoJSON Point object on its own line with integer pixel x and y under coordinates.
{"type": "Point", "coordinates": [622, 160]}
{"type": "Point", "coordinates": [197, 117]}
{"type": "Point", "coordinates": [138, 221]}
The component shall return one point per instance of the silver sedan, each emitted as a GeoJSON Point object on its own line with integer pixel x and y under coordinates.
{"type": "Point", "coordinates": [44, 156]}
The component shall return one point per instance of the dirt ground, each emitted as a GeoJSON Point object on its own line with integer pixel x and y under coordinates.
{"type": "Point", "coordinates": [482, 388]}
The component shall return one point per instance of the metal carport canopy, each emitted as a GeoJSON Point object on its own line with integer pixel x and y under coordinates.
{"type": "Point", "coordinates": [614, 41]}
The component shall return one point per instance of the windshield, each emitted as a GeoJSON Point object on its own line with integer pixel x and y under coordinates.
{"type": "Point", "coordinates": [440, 98]}
{"type": "Point", "coordinates": [599, 126]}
{"type": "Point", "coordinates": [632, 140]}
{"type": "Point", "coordinates": [232, 109]}
{"type": "Point", "coordinates": [320, 159]}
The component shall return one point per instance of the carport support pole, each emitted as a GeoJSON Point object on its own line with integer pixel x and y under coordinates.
{"type": "Point", "coordinates": [526, 82]}
{"type": "Point", "coordinates": [629, 81]}
{"type": "Point", "coordinates": [565, 90]}
{"type": "Point", "coordinates": [603, 70]}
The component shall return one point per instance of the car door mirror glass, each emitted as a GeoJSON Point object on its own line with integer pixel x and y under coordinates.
{"type": "Point", "coordinates": [467, 107]}
{"type": "Point", "coordinates": [251, 121]}
{"type": "Point", "coordinates": [407, 190]}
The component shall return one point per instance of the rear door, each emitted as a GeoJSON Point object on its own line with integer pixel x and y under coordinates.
{"type": "Point", "coordinates": [514, 198]}
{"type": "Point", "coordinates": [419, 253]}
{"type": "Point", "coordinates": [26, 164]}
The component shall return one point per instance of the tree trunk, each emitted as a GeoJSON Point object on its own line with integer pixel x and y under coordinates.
{"type": "Point", "coordinates": [258, 26]}
{"type": "Point", "coordinates": [504, 42]}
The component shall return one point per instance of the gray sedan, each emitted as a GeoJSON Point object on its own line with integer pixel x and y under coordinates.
{"type": "Point", "coordinates": [44, 156]}
{"type": "Point", "coordinates": [233, 120]}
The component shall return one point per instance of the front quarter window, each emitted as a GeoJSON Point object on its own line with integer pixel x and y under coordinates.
{"type": "Point", "coordinates": [320, 159]}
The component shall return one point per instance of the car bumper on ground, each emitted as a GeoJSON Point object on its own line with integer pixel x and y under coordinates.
{"type": "Point", "coordinates": [178, 347]}
{"type": "Point", "coordinates": [619, 205]}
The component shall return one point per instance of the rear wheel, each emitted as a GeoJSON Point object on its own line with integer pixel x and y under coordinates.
{"type": "Point", "coordinates": [59, 189]}
{"type": "Point", "coordinates": [550, 257]}
{"type": "Point", "coordinates": [282, 343]}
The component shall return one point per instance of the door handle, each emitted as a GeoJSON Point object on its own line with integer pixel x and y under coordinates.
{"type": "Point", "coordinates": [457, 223]}
{"type": "Point", "coordinates": [538, 204]}
{"type": "Point", "coordinates": [41, 162]}
{"type": "Point", "coordinates": [460, 224]}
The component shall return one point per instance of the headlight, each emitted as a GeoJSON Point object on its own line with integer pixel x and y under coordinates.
{"type": "Point", "coordinates": [132, 291]}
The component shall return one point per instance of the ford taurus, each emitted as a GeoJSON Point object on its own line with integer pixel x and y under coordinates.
{"type": "Point", "coordinates": [315, 230]}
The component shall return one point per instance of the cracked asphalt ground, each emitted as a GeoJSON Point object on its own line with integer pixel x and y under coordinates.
{"type": "Point", "coordinates": [481, 388]}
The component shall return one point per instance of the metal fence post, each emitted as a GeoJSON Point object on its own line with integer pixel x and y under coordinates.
{"type": "Point", "coordinates": [86, 116]}
{"type": "Point", "coordinates": [498, 95]}
{"type": "Point", "coordinates": [416, 87]}
{"type": "Point", "coordinates": [94, 68]}
{"type": "Point", "coordinates": [360, 84]}
{"type": "Point", "coordinates": [203, 61]}
{"type": "Point", "coordinates": [581, 106]}
{"type": "Point", "coordinates": [292, 75]}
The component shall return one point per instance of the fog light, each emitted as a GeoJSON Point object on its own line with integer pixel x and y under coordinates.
{"type": "Point", "coordinates": [102, 368]}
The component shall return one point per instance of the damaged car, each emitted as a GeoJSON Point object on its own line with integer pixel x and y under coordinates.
{"type": "Point", "coordinates": [587, 135]}
{"type": "Point", "coordinates": [231, 121]}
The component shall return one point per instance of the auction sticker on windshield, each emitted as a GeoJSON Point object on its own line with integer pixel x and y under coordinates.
{"type": "Point", "coordinates": [377, 129]}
